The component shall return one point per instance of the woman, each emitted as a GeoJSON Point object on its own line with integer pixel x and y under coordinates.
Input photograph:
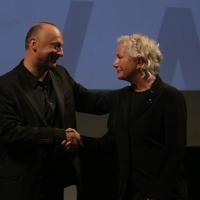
{"type": "Point", "coordinates": [147, 123]}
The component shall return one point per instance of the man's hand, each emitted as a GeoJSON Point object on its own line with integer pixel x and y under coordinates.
{"type": "Point", "coordinates": [73, 140]}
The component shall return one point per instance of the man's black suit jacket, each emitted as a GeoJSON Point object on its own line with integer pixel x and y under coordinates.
{"type": "Point", "coordinates": [32, 161]}
{"type": "Point", "coordinates": [158, 140]}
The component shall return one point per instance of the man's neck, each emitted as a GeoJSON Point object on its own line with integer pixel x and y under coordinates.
{"type": "Point", "coordinates": [38, 72]}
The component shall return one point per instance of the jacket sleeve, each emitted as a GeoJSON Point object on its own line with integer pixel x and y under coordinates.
{"type": "Point", "coordinates": [168, 171]}
{"type": "Point", "coordinates": [106, 142]}
{"type": "Point", "coordinates": [88, 101]}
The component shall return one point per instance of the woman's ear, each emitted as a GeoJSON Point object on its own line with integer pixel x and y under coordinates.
{"type": "Point", "coordinates": [140, 62]}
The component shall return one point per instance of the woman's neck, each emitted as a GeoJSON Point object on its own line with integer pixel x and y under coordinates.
{"type": "Point", "coordinates": [141, 85]}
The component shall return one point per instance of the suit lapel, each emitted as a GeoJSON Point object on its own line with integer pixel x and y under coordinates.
{"type": "Point", "coordinates": [57, 85]}
{"type": "Point", "coordinates": [149, 99]}
{"type": "Point", "coordinates": [144, 105]}
{"type": "Point", "coordinates": [124, 105]}
{"type": "Point", "coordinates": [30, 94]}
{"type": "Point", "coordinates": [33, 99]}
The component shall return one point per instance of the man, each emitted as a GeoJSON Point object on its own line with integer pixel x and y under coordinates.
{"type": "Point", "coordinates": [38, 104]}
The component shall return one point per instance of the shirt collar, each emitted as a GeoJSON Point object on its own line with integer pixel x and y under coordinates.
{"type": "Point", "coordinates": [33, 80]}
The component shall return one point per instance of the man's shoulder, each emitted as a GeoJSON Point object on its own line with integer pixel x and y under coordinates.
{"type": "Point", "coordinates": [60, 70]}
{"type": "Point", "coordinates": [8, 76]}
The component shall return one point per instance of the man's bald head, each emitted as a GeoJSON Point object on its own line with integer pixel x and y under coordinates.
{"type": "Point", "coordinates": [35, 32]}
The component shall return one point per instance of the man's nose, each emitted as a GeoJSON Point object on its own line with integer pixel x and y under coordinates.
{"type": "Point", "coordinates": [60, 52]}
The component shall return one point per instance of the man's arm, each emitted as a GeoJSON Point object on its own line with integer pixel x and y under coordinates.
{"type": "Point", "coordinates": [87, 101]}
{"type": "Point", "coordinates": [15, 130]}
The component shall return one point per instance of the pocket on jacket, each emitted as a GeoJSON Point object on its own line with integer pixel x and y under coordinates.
{"type": "Point", "coordinates": [9, 173]}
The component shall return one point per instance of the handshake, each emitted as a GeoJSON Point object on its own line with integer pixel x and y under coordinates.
{"type": "Point", "coordinates": [73, 140]}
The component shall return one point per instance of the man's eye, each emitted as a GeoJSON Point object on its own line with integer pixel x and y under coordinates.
{"type": "Point", "coordinates": [56, 47]}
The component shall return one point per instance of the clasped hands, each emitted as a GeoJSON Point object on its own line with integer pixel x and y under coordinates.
{"type": "Point", "coordinates": [73, 140]}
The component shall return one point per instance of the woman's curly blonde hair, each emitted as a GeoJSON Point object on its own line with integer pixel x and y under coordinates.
{"type": "Point", "coordinates": [138, 45]}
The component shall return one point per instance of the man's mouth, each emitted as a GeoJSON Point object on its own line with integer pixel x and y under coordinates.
{"type": "Point", "coordinates": [54, 57]}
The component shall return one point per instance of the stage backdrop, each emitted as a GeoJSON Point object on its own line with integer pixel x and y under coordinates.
{"type": "Point", "coordinates": [90, 29]}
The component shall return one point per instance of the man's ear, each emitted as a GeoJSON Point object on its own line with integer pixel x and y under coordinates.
{"type": "Point", "coordinates": [33, 44]}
